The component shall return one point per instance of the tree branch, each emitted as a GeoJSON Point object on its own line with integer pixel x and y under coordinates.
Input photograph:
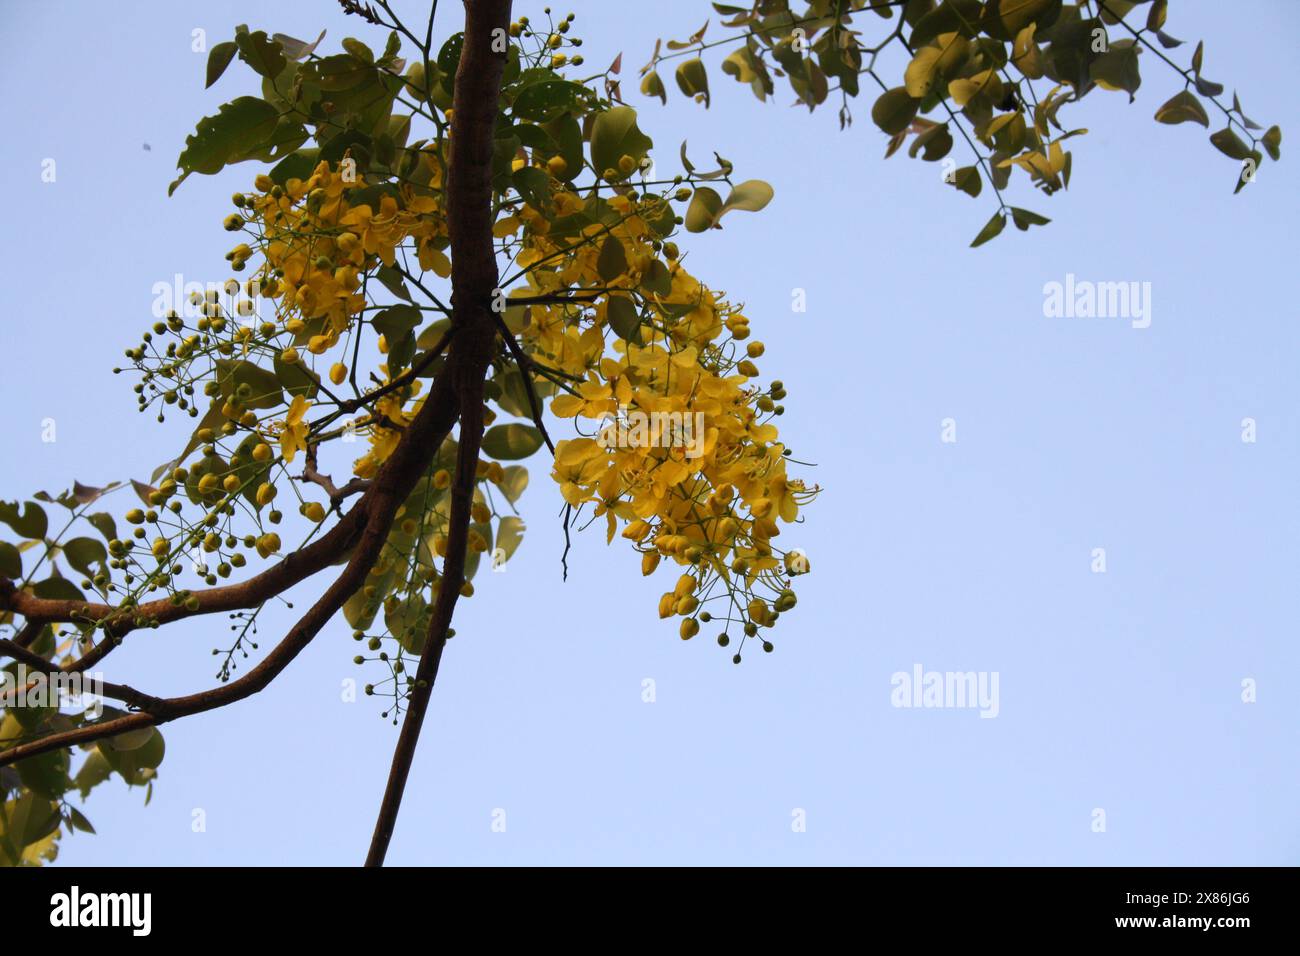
{"type": "Point", "coordinates": [118, 621]}
{"type": "Point", "coordinates": [377, 508]}
{"type": "Point", "coordinates": [128, 695]}
{"type": "Point", "coordinates": [474, 280]}
{"type": "Point", "coordinates": [336, 494]}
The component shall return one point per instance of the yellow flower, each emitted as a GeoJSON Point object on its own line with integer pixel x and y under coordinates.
{"type": "Point", "coordinates": [293, 434]}
{"type": "Point", "coordinates": [379, 233]}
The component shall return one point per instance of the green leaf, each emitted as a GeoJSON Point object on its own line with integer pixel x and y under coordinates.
{"type": "Point", "coordinates": [1230, 144]}
{"type": "Point", "coordinates": [241, 129]}
{"type": "Point", "coordinates": [30, 523]}
{"type": "Point", "coordinates": [612, 261]}
{"type": "Point", "coordinates": [991, 229]}
{"type": "Point", "coordinates": [1183, 108]}
{"type": "Point", "coordinates": [396, 320]}
{"type": "Point", "coordinates": [968, 180]}
{"type": "Point", "coordinates": [1023, 218]}
{"type": "Point", "coordinates": [103, 522]}
{"type": "Point", "coordinates": [1117, 68]}
{"type": "Point", "coordinates": [952, 16]}
{"type": "Point", "coordinates": [534, 186]}
{"type": "Point", "coordinates": [143, 491]}
{"type": "Point", "coordinates": [219, 58]}
{"type": "Point", "coordinates": [296, 49]}
{"type": "Point", "coordinates": [1115, 10]}
{"type": "Point", "coordinates": [936, 141]}
{"type": "Point", "coordinates": [297, 165]}
{"type": "Point", "coordinates": [84, 553]}
{"type": "Point", "coordinates": [1156, 18]}
{"type": "Point", "coordinates": [510, 534]}
{"type": "Point", "coordinates": [920, 73]}
{"type": "Point", "coordinates": [514, 482]}
{"type": "Point", "coordinates": [511, 442]}
{"type": "Point", "coordinates": [1003, 19]}
{"type": "Point", "coordinates": [707, 207]}
{"type": "Point", "coordinates": [136, 765]}
{"type": "Point", "coordinates": [396, 324]}
{"type": "Point", "coordinates": [894, 110]}
{"type": "Point", "coordinates": [432, 334]}
{"type": "Point", "coordinates": [57, 588]}
{"type": "Point", "coordinates": [652, 85]}
{"type": "Point", "coordinates": [750, 196]}
{"type": "Point", "coordinates": [1272, 141]}
{"type": "Point", "coordinates": [545, 101]}
{"type": "Point", "coordinates": [339, 73]}
{"type": "Point", "coordinates": [250, 472]}
{"type": "Point", "coordinates": [657, 213]}
{"type": "Point", "coordinates": [1246, 120]}
{"type": "Point", "coordinates": [614, 134]}
{"type": "Point", "coordinates": [29, 819]}
{"type": "Point", "coordinates": [534, 137]}
{"type": "Point", "coordinates": [263, 384]}
{"type": "Point", "coordinates": [623, 317]}
{"type": "Point", "coordinates": [693, 79]}
{"type": "Point", "coordinates": [78, 820]}
{"type": "Point", "coordinates": [131, 740]}
{"type": "Point", "coordinates": [392, 280]}
{"type": "Point", "coordinates": [512, 392]}
{"type": "Point", "coordinates": [297, 378]}
{"type": "Point", "coordinates": [94, 771]}
{"type": "Point", "coordinates": [85, 494]}
{"type": "Point", "coordinates": [46, 774]}
{"type": "Point", "coordinates": [657, 279]}
{"type": "Point", "coordinates": [358, 49]}
{"type": "Point", "coordinates": [449, 57]}
{"type": "Point", "coordinates": [213, 419]}
{"type": "Point", "coordinates": [704, 210]}
{"type": "Point", "coordinates": [567, 134]}
{"type": "Point", "coordinates": [11, 561]}
{"type": "Point", "coordinates": [263, 54]}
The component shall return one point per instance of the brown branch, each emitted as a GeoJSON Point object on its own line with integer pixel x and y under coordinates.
{"type": "Point", "coordinates": [584, 296]}
{"type": "Point", "coordinates": [521, 360]}
{"type": "Point", "coordinates": [128, 695]}
{"type": "Point", "coordinates": [474, 280]}
{"type": "Point", "coordinates": [409, 460]}
{"type": "Point", "coordinates": [27, 636]}
{"type": "Point", "coordinates": [118, 621]}
{"type": "Point", "coordinates": [425, 360]}
{"type": "Point", "coordinates": [336, 494]}
{"type": "Point", "coordinates": [525, 364]}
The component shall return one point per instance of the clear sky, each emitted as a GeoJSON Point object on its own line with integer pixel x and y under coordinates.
{"type": "Point", "coordinates": [1118, 690]}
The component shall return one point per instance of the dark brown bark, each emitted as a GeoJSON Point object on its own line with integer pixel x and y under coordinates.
{"type": "Point", "coordinates": [474, 279]}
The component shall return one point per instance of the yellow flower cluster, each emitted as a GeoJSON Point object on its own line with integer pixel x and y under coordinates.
{"type": "Point", "coordinates": [683, 449]}
{"type": "Point", "coordinates": [319, 237]}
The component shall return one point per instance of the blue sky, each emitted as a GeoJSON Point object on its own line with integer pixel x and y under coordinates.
{"type": "Point", "coordinates": [1119, 691]}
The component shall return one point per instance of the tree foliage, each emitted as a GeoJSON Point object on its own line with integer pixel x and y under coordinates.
{"type": "Point", "coordinates": [996, 74]}
{"type": "Point", "coordinates": [442, 243]}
